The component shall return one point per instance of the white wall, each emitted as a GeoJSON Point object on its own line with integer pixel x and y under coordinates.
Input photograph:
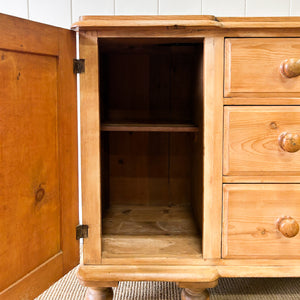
{"type": "Point", "coordinates": [63, 12]}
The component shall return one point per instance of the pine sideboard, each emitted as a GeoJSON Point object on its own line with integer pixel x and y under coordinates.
{"type": "Point", "coordinates": [189, 151]}
{"type": "Point", "coordinates": [189, 140]}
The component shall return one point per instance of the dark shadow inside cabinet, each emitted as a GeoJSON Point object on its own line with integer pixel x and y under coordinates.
{"type": "Point", "coordinates": [151, 147]}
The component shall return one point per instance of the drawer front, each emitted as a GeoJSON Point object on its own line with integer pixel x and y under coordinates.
{"type": "Point", "coordinates": [252, 67]}
{"type": "Point", "coordinates": [262, 140]}
{"type": "Point", "coordinates": [256, 218]}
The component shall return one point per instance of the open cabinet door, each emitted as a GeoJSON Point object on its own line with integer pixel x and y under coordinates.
{"type": "Point", "coordinates": [38, 157]}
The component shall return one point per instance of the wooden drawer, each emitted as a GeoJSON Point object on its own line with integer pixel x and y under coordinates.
{"type": "Point", "coordinates": [252, 67]}
{"type": "Point", "coordinates": [252, 214]}
{"type": "Point", "coordinates": [252, 140]}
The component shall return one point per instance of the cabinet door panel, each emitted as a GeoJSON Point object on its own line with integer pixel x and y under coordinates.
{"type": "Point", "coordinates": [38, 206]}
{"type": "Point", "coordinates": [30, 192]}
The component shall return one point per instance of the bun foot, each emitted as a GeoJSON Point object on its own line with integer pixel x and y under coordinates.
{"type": "Point", "coordinates": [188, 294]}
{"type": "Point", "coordinates": [196, 290]}
{"type": "Point", "coordinates": [99, 293]}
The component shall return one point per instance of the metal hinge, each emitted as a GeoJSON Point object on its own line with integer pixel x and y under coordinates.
{"type": "Point", "coordinates": [78, 66]}
{"type": "Point", "coordinates": [82, 231]}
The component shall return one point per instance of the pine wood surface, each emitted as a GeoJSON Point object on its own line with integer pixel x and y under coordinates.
{"type": "Point", "coordinates": [149, 127]}
{"type": "Point", "coordinates": [67, 149]}
{"type": "Point", "coordinates": [153, 232]}
{"type": "Point", "coordinates": [203, 21]}
{"type": "Point", "coordinates": [212, 139]}
{"type": "Point", "coordinates": [261, 179]}
{"type": "Point", "coordinates": [251, 145]}
{"type": "Point", "coordinates": [233, 288]}
{"type": "Point", "coordinates": [93, 22]}
{"type": "Point", "coordinates": [256, 91]}
{"type": "Point", "coordinates": [154, 247]}
{"type": "Point", "coordinates": [37, 280]}
{"type": "Point", "coordinates": [253, 66]}
{"type": "Point", "coordinates": [89, 275]}
{"type": "Point", "coordinates": [259, 22]}
{"type": "Point", "coordinates": [38, 119]}
{"type": "Point", "coordinates": [30, 189]}
{"type": "Point", "coordinates": [25, 36]}
{"type": "Point", "coordinates": [192, 32]}
{"type": "Point", "coordinates": [90, 153]}
{"type": "Point", "coordinates": [148, 81]}
{"type": "Point", "coordinates": [265, 99]}
{"type": "Point", "coordinates": [149, 220]}
{"type": "Point", "coordinates": [149, 169]}
{"type": "Point", "coordinates": [251, 213]}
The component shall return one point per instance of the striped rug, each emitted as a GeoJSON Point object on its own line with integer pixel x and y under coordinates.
{"type": "Point", "coordinates": [228, 289]}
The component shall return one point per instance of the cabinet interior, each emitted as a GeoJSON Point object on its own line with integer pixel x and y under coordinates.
{"type": "Point", "coordinates": [151, 147]}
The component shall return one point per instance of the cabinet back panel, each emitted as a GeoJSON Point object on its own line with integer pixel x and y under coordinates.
{"type": "Point", "coordinates": [149, 168]}
{"type": "Point", "coordinates": [150, 83]}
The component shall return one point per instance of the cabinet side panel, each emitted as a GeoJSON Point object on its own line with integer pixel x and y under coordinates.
{"type": "Point", "coordinates": [90, 148]}
{"type": "Point", "coordinates": [213, 139]}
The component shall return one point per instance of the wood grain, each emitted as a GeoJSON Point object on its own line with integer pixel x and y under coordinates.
{"type": "Point", "coordinates": [251, 144]}
{"type": "Point", "coordinates": [67, 149]}
{"type": "Point", "coordinates": [259, 22]}
{"type": "Point", "coordinates": [101, 273]}
{"type": "Point", "coordinates": [193, 32]}
{"type": "Point", "coordinates": [148, 81]}
{"type": "Point", "coordinates": [90, 148]}
{"type": "Point", "coordinates": [94, 22]}
{"type": "Point", "coordinates": [253, 66]}
{"type": "Point", "coordinates": [164, 248]}
{"type": "Point", "coordinates": [183, 274]}
{"type": "Point", "coordinates": [265, 99]}
{"type": "Point", "coordinates": [259, 271]}
{"type": "Point", "coordinates": [120, 259]}
{"type": "Point", "coordinates": [197, 146]}
{"type": "Point", "coordinates": [25, 36]}
{"type": "Point", "coordinates": [36, 281]}
{"type": "Point", "coordinates": [29, 163]}
{"type": "Point", "coordinates": [190, 261]}
{"type": "Point", "coordinates": [163, 232]}
{"type": "Point", "coordinates": [151, 220]}
{"type": "Point", "coordinates": [250, 216]}
{"type": "Point", "coordinates": [213, 136]}
{"type": "Point", "coordinates": [261, 179]}
{"type": "Point", "coordinates": [149, 127]}
{"type": "Point", "coordinates": [38, 155]}
{"type": "Point", "coordinates": [149, 168]}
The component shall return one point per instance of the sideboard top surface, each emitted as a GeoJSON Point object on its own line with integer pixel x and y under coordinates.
{"type": "Point", "coordinates": [202, 21]}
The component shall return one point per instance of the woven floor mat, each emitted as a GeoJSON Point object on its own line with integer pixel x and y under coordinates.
{"type": "Point", "coordinates": [68, 288]}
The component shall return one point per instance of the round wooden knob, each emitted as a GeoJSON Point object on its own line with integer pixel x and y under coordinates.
{"type": "Point", "coordinates": [290, 67]}
{"type": "Point", "coordinates": [288, 226]}
{"type": "Point", "coordinates": [289, 142]}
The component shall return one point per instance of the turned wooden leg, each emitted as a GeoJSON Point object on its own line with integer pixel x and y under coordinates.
{"type": "Point", "coordinates": [196, 291]}
{"type": "Point", "coordinates": [99, 293]}
{"type": "Point", "coordinates": [188, 294]}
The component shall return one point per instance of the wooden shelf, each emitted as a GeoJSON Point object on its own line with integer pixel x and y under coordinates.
{"type": "Point", "coordinates": [150, 231]}
{"type": "Point", "coordinates": [139, 127]}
